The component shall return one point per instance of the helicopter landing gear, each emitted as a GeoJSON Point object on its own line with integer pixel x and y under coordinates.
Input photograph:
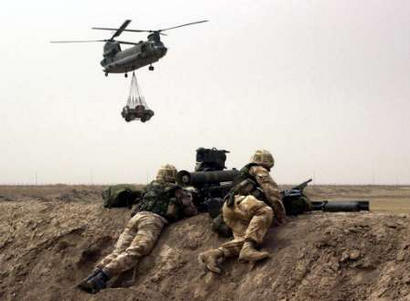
{"type": "Point", "coordinates": [151, 68]}
{"type": "Point", "coordinates": [125, 75]}
{"type": "Point", "coordinates": [106, 74]}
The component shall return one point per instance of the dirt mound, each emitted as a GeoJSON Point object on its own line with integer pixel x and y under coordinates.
{"type": "Point", "coordinates": [49, 242]}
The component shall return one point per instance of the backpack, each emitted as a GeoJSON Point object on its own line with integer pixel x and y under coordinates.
{"type": "Point", "coordinates": [121, 195]}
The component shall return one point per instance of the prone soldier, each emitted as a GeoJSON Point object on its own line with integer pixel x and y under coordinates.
{"type": "Point", "coordinates": [162, 202]}
{"type": "Point", "coordinates": [249, 209]}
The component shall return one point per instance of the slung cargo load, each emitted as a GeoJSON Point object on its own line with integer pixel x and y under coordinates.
{"type": "Point", "coordinates": [136, 108]}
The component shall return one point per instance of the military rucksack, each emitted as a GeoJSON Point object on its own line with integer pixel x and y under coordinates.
{"type": "Point", "coordinates": [121, 195]}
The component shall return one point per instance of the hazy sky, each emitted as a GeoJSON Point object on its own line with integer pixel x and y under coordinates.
{"type": "Point", "coordinates": [324, 85]}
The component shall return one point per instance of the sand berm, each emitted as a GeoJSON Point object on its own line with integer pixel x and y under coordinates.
{"type": "Point", "coordinates": [48, 242]}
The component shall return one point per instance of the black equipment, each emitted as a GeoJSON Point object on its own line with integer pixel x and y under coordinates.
{"type": "Point", "coordinates": [294, 198]}
{"type": "Point", "coordinates": [210, 179]}
{"type": "Point", "coordinates": [340, 206]}
{"type": "Point", "coordinates": [208, 159]}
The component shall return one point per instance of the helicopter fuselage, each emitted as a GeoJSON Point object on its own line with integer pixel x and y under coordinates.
{"type": "Point", "coordinates": [138, 55]}
{"type": "Point", "coordinates": [122, 61]}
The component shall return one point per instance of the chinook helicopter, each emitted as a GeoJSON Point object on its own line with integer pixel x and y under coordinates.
{"type": "Point", "coordinates": [143, 53]}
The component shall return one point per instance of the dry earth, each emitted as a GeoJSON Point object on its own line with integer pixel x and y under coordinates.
{"type": "Point", "coordinates": [51, 236]}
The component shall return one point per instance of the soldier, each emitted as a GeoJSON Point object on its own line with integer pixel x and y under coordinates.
{"type": "Point", "coordinates": [249, 210]}
{"type": "Point", "coordinates": [162, 202]}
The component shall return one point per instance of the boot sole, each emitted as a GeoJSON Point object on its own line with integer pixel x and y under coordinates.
{"type": "Point", "coordinates": [245, 260]}
{"type": "Point", "coordinates": [205, 266]}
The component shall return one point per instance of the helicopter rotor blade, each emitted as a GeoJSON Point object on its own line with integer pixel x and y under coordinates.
{"type": "Point", "coordinates": [80, 41]}
{"type": "Point", "coordinates": [126, 42]}
{"type": "Point", "coordinates": [92, 41]}
{"type": "Point", "coordinates": [129, 30]}
{"type": "Point", "coordinates": [187, 24]}
{"type": "Point", "coordinates": [118, 31]}
{"type": "Point", "coordinates": [159, 30]}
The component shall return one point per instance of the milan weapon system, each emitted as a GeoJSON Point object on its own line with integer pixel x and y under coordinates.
{"type": "Point", "coordinates": [143, 53]}
{"type": "Point", "coordinates": [213, 183]}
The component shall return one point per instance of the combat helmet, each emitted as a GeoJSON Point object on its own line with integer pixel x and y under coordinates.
{"type": "Point", "coordinates": [264, 158]}
{"type": "Point", "coordinates": [167, 173]}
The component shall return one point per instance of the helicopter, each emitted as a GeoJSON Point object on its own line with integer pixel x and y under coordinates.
{"type": "Point", "coordinates": [143, 53]}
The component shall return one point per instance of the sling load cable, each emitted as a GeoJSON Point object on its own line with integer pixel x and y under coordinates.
{"type": "Point", "coordinates": [134, 93]}
{"type": "Point", "coordinates": [141, 98]}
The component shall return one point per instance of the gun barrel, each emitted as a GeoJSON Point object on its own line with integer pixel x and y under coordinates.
{"type": "Point", "coordinates": [340, 206]}
{"type": "Point", "coordinates": [302, 186]}
{"type": "Point", "coordinates": [185, 178]}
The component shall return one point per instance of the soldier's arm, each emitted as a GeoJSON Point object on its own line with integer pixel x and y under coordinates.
{"type": "Point", "coordinates": [186, 199]}
{"type": "Point", "coordinates": [271, 191]}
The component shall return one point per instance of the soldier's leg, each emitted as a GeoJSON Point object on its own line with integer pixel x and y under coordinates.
{"type": "Point", "coordinates": [149, 229]}
{"type": "Point", "coordinates": [249, 220]}
{"type": "Point", "coordinates": [96, 280]}
{"type": "Point", "coordinates": [123, 242]}
{"type": "Point", "coordinates": [237, 221]}
{"type": "Point", "coordinates": [261, 216]}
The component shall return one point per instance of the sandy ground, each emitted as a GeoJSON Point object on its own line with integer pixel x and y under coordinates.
{"type": "Point", "coordinates": [51, 236]}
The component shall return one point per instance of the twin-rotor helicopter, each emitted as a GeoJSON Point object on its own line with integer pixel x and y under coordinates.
{"type": "Point", "coordinates": [143, 53]}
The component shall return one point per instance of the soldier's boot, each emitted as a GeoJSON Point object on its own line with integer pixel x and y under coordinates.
{"type": "Point", "coordinates": [249, 253]}
{"type": "Point", "coordinates": [93, 273]}
{"type": "Point", "coordinates": [209, 260]}
{"type": "Point", "coordinates": [95, 282]}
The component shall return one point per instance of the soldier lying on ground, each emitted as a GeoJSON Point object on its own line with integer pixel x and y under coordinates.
{"type": "Point", "coordinates": [248, 211]}
{"type": "Point", "coordinates": [162, 202]}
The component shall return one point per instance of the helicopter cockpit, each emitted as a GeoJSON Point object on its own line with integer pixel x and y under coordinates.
{"type": "Point", "coordinates": [111, 48]}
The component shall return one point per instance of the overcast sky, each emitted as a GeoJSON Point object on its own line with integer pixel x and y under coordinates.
{"type": "Point", "coordinates": [324, 85]}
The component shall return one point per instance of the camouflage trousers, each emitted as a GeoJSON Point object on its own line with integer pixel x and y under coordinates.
{"type": "Point", "coordinates": [249, 220]}
{"type": "Point", "coordinates": [136, 241]}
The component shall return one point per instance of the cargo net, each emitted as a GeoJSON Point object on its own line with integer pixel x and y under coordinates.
{"type": "Point", "coordinates": [136, 108]}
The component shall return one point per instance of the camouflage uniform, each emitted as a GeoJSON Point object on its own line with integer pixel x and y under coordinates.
{"type": "Point", "coordinates": [249, 220]}
{"type": "Point", "coordinates": [136, 241]}
{"type": "Point", "coordinates": [248, 217]}
{"type": "Point", "coordinates": [162, 202]}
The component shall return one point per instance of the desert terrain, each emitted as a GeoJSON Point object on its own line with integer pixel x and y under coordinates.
{"type": "Point", "coordinates": [51, 236]}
